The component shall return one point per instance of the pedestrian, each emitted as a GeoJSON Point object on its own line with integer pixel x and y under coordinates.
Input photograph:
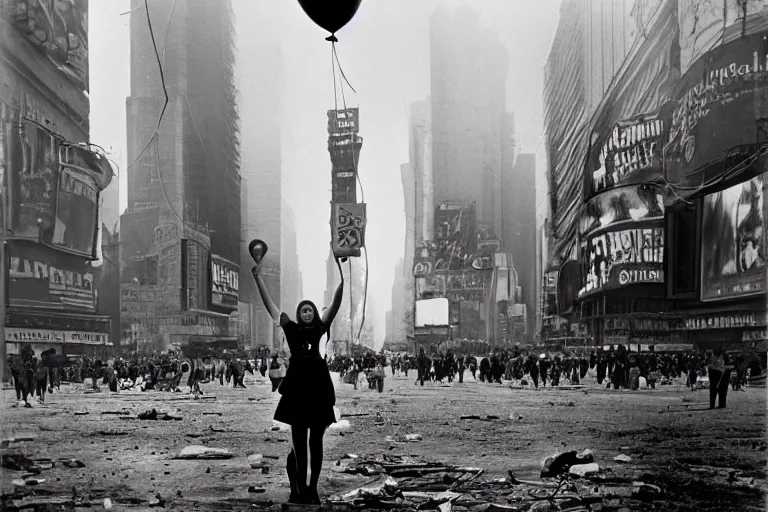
{"type": "Point", "coordinates": [719, 378]}
{"type": "Point", "coordinates": [308, 397]}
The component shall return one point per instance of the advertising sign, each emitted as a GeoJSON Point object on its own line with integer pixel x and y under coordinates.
{"type": "Point", "coordinates": [76, 212]}
{"type": "Point", "coordinates": [733, 248]}
{"type": "Point", "coordinates": [622, 258]}
{"type": "Point", "coordinates": [344, 185]}
{"type": "Point", "coordinates": [19, 335]}
{"type": "Point", "coordinates": [194, 274]}
{"type": "Point", "coordinates": [348, 229]}
{"type": "Point", "coordinates": [622, 205]}
{"type": "Point", "coordinates": [225, 282]}
{"type": "Point", "coordinates": [422, 267]}
{"type": "Point", "coordinates": [58, 29]}
{"type": "Point", "coordinates": [345, 150]}
{"type": "Point", "coordinates": [32, 160]}
{"type": "Point", "coordinates": [432, 312]}
{"type": "Point", "coordinates": [632, 153]}
{"type": "Point", "coordinates": [718, 103]}
{"type": "Point", "coordinates": [344, 120]}
{"type": "Point", "coordinates": [454, 235]}
{"type": "Point", "coordinates": [39, 277]}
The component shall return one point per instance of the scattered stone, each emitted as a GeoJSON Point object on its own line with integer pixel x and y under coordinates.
{"type": "Point", "coordinates": [413, 437]}
{"type": "Point", "coordinates": [255, 489]}
{"type": "Point", "coordinates": [197, 452]}
{"type": "Point", "coordinates": [622, 458]}
{"type": "Point", "coordinates": [584, 470]}
{"type": "Point", "coordinates": [107, 504]}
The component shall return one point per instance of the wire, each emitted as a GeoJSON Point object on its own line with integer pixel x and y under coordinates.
{"type": "Point", "coordinates": [357, 175]}
{"type": "Point", "coordinates": [162, 185]}
{"type": "Point", "coordinates": [165, 89]}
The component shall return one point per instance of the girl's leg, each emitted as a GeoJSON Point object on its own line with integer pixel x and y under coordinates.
{"type": "Point", "coordinates": [316, 460]}
{"type": "Point", "coordinates": [290, 468]}
{"type": "Point", "coordinates": [299, 437]}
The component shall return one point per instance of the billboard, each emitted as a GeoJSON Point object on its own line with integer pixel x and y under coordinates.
{"type": "Point", "coordinates": [225, 283]}
{"type": "Point", "coordinates": [717, 104]}
{"type": "Point", "coordinates": [32, 161]}
{"type": "Point", "coordinates": [621, 258]}
{"type": "Point", "coordinates": [348, 229]}
{"type": "Point", "coordinates": [454, 235]}
{"type": "Point", "coordinates": [622, 205]}
{"type": "Point", "coordinates": [733, 241]}
{"type": "Point", "coordinates": [631, 153]}
{"type": "Point", "coordinates": [432, 312]}
{"type": "Point", "coordinates": [194, 273]}
{"type": "Point", "coordinates": [39, 277]}
{"type": "Point", "coordinates": [76, 212]}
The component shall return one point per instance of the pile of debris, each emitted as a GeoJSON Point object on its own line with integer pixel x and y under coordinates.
{"type": "Point", "coordinates": [570, 481]}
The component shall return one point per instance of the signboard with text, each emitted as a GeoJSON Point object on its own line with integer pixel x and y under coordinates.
{"type": "Point", "coordinates": [718, 101]}
{"type": "Point", "coordinates": [733, 250]}
{"type": "Point", "coordinates": [621, 258]}
{"type": "Point", "coordinates": [19, 335]}
{"type": "Point", "coordinates": [40, 277]}
{"type": "Point", "coordinates": [225, 283]}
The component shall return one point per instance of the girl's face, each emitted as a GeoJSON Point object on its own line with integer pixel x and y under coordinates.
{"type": "Point", "coordinates": [307, 314]}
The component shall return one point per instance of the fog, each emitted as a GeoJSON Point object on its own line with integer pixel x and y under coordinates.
{"type": "Point", "coordinates": [384, 53]}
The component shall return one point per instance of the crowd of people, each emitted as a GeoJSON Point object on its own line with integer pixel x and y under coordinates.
{"type": "Point", "coordinates": [33, 376]}
{"type": "Point", "coordinates": [619, 369]}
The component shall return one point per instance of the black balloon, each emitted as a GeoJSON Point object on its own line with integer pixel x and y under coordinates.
{"type": "Point", "coordinates": [258, 249]}
{"type": "Point", "coordinates": [330, 14]}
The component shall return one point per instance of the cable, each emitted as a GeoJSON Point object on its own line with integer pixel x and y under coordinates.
{"type": "Point", "coordinates": [165, 90]}
{"type": "Point", "coordinates": [162, 185]}
{"type": "Point", "coordinates": [357, 175]}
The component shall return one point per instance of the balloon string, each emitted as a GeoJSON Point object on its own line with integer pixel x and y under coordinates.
{"type": "Point", "coordinates": [333, 46]}
{"type": "Point", "coordinates": [333, 72]}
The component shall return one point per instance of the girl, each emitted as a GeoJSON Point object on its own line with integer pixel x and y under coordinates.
{"type": "Point", "coordinates": [307, 391]}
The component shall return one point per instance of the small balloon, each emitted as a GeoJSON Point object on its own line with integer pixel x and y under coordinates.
{"type": "Point", "coordinates": [330, 14]}
{"type": "Point", "coordinates": [258, 249]}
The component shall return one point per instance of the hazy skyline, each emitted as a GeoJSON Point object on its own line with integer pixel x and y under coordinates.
{"type": "Point", "coordinates": [385, 56]}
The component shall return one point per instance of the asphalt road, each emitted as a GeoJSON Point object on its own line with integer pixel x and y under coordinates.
{"type": "Point", "coordinates": [688, 451]}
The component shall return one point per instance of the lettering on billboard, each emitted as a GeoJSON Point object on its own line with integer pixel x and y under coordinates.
{"type": "Point", "coordinates": [225, 282]}
{"type": "Point", "coordinates": [348, 229]}
{"type": "Point", "coordinates": [422, 268]}
{"type": "Point", "coordinates": [35, 282]}
{"type": "Point", "coordinates": [622, 258]}
{"type": "Point", "coordinates": [733, 241]}
{"type": "Point", "coordinates": [18, 335]}
{"type": "Point", "coordinates": [625, 204]}
{"type": "Point", "coordinates": [343, 120]}
{"type": "Point", "coordinates": [59, 29]}
{"type": "Point", "coordinates": [633, 146]}
{"type": "Point", "coordinates": [717, 105]}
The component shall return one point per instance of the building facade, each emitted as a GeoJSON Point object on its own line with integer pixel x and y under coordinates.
{"type": "Point", "coordinates": [261, 130]}
{"type": "Point", "coordinates": [181, 232]}
{"type": "Point", "coordinates": [663, 245]}
{"type": "Point", "coordinates": [52, 181]}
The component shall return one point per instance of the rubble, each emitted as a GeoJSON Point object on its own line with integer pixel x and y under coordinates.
{"type": "Point", "coordinates": [408, 483]}
{"type": "Point", "coordinates": [197, 452]}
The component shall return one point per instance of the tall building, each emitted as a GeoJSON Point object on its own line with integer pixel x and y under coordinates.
{"type": "Point", "coordinates": [469, 66]}
{"type": "Point", "coordinates": [260, 72]}
{"type": "Point", "coordinates": [54, 181]}
{"type": "Point", "coordinates": [290, 277]}
{"type": "Point", "coordinates": [402, 300]}
{"type": "Point", "coordinates": [181, 232]}
{"type": "Point", "coordinates": [519, 232]}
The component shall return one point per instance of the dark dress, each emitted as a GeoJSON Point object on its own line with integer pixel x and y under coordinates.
{"type": "Point", "coordinates": [307, 390]}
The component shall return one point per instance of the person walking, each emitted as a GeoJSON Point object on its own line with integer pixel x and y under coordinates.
{"type": "Point", "coordinates": [719, 378]}
{"type": "Point", "coordinates": [308, 397]}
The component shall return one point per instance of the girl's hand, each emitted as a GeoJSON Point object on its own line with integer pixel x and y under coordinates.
{"type": "Point", "coordinates": [256, 270]}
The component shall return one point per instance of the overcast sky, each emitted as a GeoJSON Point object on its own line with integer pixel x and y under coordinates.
{"type": "Point", "coordinates": [384, 53]}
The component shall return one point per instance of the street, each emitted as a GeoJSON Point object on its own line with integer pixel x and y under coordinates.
{"type": "Point", "coordinates": [704, 460]}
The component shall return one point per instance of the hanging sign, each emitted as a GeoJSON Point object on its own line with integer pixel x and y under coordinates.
{"type": "Point", "coordinates": [348, 229]}
{"type": "Point", "coordinates": [225, 282]}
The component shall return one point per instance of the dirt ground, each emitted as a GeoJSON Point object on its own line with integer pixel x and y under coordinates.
{"type": "Point", "coordinates": [689, 452]}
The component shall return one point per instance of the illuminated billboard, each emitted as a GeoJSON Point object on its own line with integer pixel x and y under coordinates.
{"type": "Point", "coordinates": [432, 312]}
{"type": "Point", "coordinates": [733, 241]}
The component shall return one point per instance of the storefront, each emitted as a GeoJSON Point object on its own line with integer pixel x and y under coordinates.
{"type": "Point", "coordinates": [69, 334]}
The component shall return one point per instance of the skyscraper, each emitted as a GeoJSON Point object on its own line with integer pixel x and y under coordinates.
{"type": "Point", "coordinates": [183, 216]}
{"type": "Point", "coordinates": [260, 73]}
{"type": "Point", "coordinates": [469, 67]}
